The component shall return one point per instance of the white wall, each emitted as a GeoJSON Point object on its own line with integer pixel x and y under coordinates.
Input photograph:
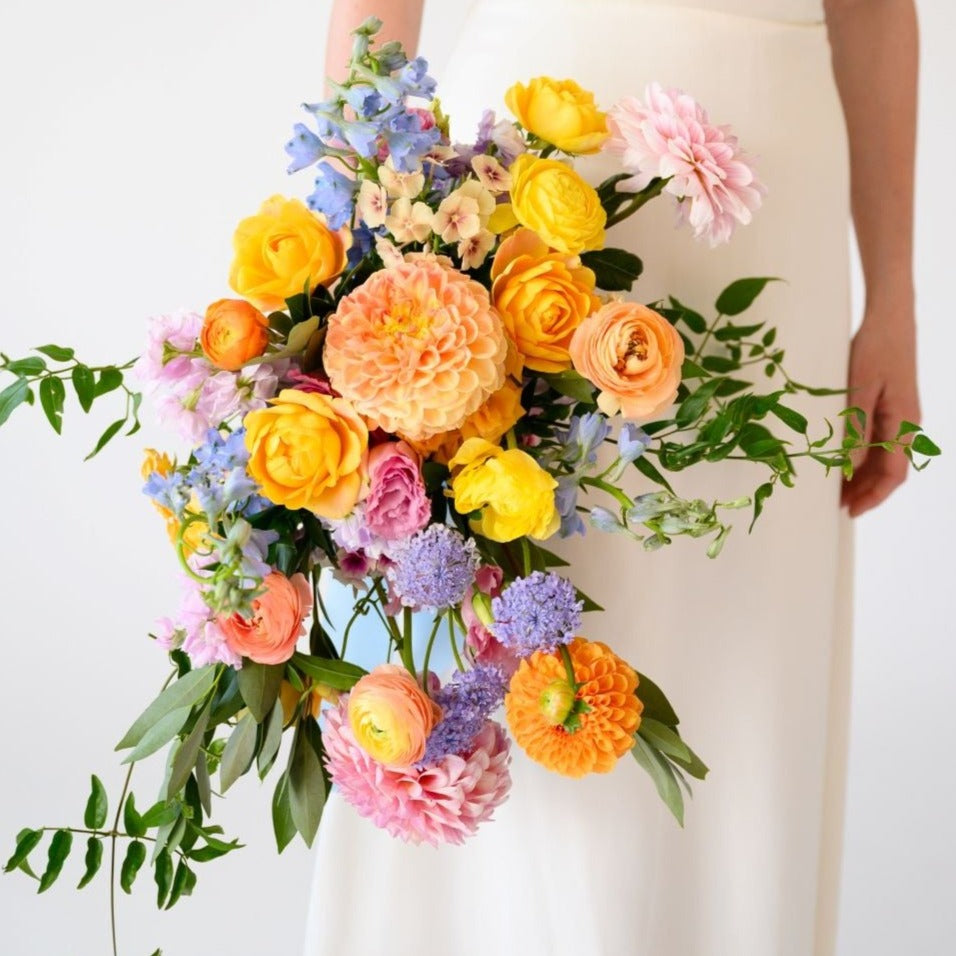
{"type": "Point", "coordinates": [134, 135]}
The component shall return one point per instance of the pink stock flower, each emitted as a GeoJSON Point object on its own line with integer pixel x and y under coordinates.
{"type": "Point", "coordinates": [441, 803]}
{"type": "Point", "coordinates": [670, 136]}
{"type": "Point", "coordinates": [195, 630]}
{"type": "Point", "coordinates": [171, 341]}
{"type": "Point", "coordinates": [396, 506]}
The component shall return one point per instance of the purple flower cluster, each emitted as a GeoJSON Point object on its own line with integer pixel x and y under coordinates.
{"type": "Point", "coordinates": [467, 701]}
{"type": "Point", "coordinates": [536, 613]}
{"type": "Point", "coordinates": [434, 569]}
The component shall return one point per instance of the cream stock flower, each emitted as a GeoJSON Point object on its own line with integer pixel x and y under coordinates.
{"type": "Point", "coordinates": [491, 174]}
{"type": "Point", "coordinates": [400, 185]}
{"type": "Point", "coordinates": [372, 204]}
{"type": "Point", "coordinates": [472, 251]}
{"type": "Point", "coordinates": [408, 222]}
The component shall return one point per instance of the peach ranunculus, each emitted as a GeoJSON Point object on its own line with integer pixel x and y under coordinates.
{"type": "Point", "coordinates": [233, 332]}
{"type": "Point", "coordinates": [542, 297]}
{"type": "Point", "coordinates": [633, 355]}
{"type": "Point", "coordinates": [549, 197]}
{"type": "Point", "coordinates": [270, 635]}
{"type": "Point", "coordinates": [283, 250]}
{"type": "Point", "coordinates": [559, 112]}
{"type": "Point", "coordinates": [391, 716]}
{"type": "Point", "coordinates": [416, 348]}
{"type": "Point", "coordinates": [308, 450]}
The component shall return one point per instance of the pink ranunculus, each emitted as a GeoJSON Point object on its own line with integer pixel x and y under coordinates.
{"type": "Point", "coordinates": [397, 505]}
{"type": "Point", "coordinates": [481, 645]}
{"type": "Point", "coordinates": [307, 381]}
{"type": "Point", "coordinates": [670, 136]}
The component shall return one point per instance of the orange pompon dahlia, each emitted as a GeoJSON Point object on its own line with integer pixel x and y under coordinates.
{"type": "Point", "coordinates": [416, 348]}
{"type": "Point", "coordinates": [604, 712]}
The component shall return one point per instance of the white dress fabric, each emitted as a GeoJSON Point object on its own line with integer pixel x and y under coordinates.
{"type": "Point", "coordinates": [753, 648]}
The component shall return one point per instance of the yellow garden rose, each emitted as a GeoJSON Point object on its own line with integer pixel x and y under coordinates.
{"type": "Point", "coordinates": [559, 112]}
{"type": "Point", "coordinates": [550, 198]}
{"type": "Point", "coordinates": [281, 250]}
{"type": "Point", "coordinates": [514, 494]}
{"type": "Point", "coordinates": [542, 297]}
{"type": "Point", "coordinates": [307, 450]}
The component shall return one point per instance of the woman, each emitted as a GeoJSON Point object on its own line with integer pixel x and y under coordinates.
{"type": "Point", "coordinates": [754, 647]}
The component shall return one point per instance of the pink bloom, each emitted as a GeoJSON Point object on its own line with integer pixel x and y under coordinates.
{"type": "Point", "coordinates": [482, 646]}
{"type": "Point", "coordinates": [307, 381]}
{"type": "Point", "coordinates": [670, 136]}
{"type": "Point", "coordinates": [195, 630]}
{"type": "Point", "coordinates": [443, 803]}
{"type": "Point", "coordinates": [396, 506]}
{"type": "Point", "coordinates": [171, 341]}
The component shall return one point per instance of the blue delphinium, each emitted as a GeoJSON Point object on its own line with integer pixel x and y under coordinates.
{"type": "Point", "coordinates": [536, 613]}
{"type": "Point", "coordinates": [333, 196]}
{"type": "Point", "coordinates": [435, 569]}
{"type": "Point", "coordinates": [467, 701]}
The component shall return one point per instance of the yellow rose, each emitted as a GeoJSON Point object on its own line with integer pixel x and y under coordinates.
{"type": "Point", "coordinates": [281, 250]}
{"type": "Point", "coordinates": [308, 450]}
{"type": "Point", "coordinates": [549, 197]}
{"type": "Point", "coordinates": [514, 494]}
{"type": "Point", "coordinates": [559, 112]}
{"type": "Point", "coordinates": [542, 297]}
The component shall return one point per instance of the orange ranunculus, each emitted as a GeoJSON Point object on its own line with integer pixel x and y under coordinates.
{"type": "Point", "coordinates": [633, 355]}
{"type": "Point", "coordinates": [270, 635]}
{"type": "Point", "coordinates": [542, 296]}
{"type": "Point", "coordinates": [538, 700]}
{"type": "Point", "coordinates": [308, 450]}
{"type": "Point", "coordinates": [233, 332]}
{"type": "Point", "coordinates": [391, 716]}
{"type": "Point", "coordinates": [283, 250]}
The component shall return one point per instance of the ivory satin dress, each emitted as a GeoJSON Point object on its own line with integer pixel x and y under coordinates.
{"type": "Point", "coordinates": [753, 648]}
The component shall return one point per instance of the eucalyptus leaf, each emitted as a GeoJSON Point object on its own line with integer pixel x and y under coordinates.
{"type": "Point", "coordinates": [97, 806]}
{"type": "Point", "coordinates": [656, 705]}
{"type": "Point", "coordinates": [664, 738]}
{"type": "Point", "coordinates": [239, 751]}
{"type": "Point", "coordinates": [160, 814]}
{"type": "Point", "coordinates": [663, 776]}
{"type": "Point", "coordinates": [282, 823]}
{"type": "Point", "coordinates": [94, 859]}
{"type": "Point", "coordinates": [133, 861]}
{"type": "Point", "coordinates": [204, 784]}
{"type": "Point", "coordinates": [340, 675]}
{"type": "Point", "coordinates": [59, 850]}
{"type": "Point", "coordinates": [306, 782]}
{"type": "Point", "coordinates": [186, 756]}
{"type": "Point", "coordinates": [259, 685]}
{"type": "Point", "coordinates": [271, 739]}
{"type": "Point", "coordinates": [160, 734]}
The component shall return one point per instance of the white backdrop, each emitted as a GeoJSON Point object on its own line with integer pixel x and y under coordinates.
{"type": "Point", "coordinates": [134, 136]}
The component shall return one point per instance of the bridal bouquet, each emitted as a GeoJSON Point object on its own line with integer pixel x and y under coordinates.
{"type": "Point", "coordinates": [429, 371]}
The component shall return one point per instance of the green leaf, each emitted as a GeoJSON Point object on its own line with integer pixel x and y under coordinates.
{"type": "Point", "coordinates": [731, 332]}
{"type": "Point", "coordinates": [693, 320]}
{"type": "Point", "coordinates": [160, 814]}
{"type": "Point", "coordinates": [160, 734]}
{"type": "Point", "coordinates": [338, 674]}
{"type": "Point", "coordinates": [27, 842]}
{"type": "Point", "coordinates": [572, 384]}
{"type": "Point", "coordinates": [282, 823]}
{"type": "Point", "coordinates": [306, 781]}
{"type": "Point", "coordinates": [259, 685]}
{"type": "Point", "coordinates": [84, 384]}
{"type": "Point", "coordinates": [239, 751]}
{"type": "Point", "coordinates": [587, 603]}
{"type": "Point", "coordinates": [760, 496]}
{"type": "Point", "coordinates": [132, 821]}
{"type": "Point", "coordinates": [52, 396]}
{"type": "Point", "coordinates": [719, 364]}
{"type": "Point", "coordinates": [650, 471]}
{"type": "Point", "coordinates": [184, 692]}
{"type": "Point", "coordinates": [656, 705]}
{"type": "Point", "coordinates": [97, 806]}
{"type": "Point", "coordinates": [94, 858]}
{"type": "Point", "coordinates": [692, 370]}
{"type": "Point", "coordinates": [134, 859]}
{"type": "Point", "coordinates": [769, 338]}
{"type": "Point", "coordinates": [923, 445]}
{"type": "Point", "coordinates": [204, 784]}
{"type": "Point", "coordinates": [183, 883]}
{"type": "Point", "coordinates": [106, 437]}
{"type": "Point", "coordinates": [908, 428]}
{"type": "Point", "coordinates": [186, 756]}
{"type": "Point", "coordinates": [57, 352]}
{"type": "Point", "coordinates": [12, 396]}
{"type": "Point", "coordinates": [739, 295]}
{"type": "Point", "coordinates": [694, 766]}
{"type": "Point", "coordinates": [791, 418]}
{"type": "Point", "coordinates": [163, 875]}
{"type": "Point", "coordinates": [663, 776]}
{"type": "Point", "coordinates": [33, 365]}
{"type": "Point", "coordinates": [615, 270]}
{"type": "Point", "coordinates": [109, 380]}
{"type": "Point", "coordinates": [664, 738]}
{"type": "Point", "coordinates": [271, 739]}
{"type": "Point", "coordinates": [59, 850]}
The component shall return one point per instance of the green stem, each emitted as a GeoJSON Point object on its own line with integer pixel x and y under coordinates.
{"type": "Point", "coordinates": [428, 652]}
{"type": "Point", "coordinates": [568, 666]}
{"type": "Point", "coordinates": [454, 643]}
{"type": "Point", "coordinates": [651, 191]}
{"type": "Point", "coordinates": [703, 342]}
{"type": "Point", "coordinates": [408, 656]}
{"type": "Point", "coordinates": [526, 556]}
{"type": "Point", "coordinates": [616, 493]}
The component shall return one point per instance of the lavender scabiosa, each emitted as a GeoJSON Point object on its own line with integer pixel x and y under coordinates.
{"type": "Point", "coordinates": [434, 569]}
{"type": "Point", "coordinates": [467, 701]}
{"type": "Point", "coordinates": [536, 613]}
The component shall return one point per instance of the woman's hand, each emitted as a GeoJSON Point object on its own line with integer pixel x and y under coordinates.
{"type": "Point", "coordinates": [882, 381]}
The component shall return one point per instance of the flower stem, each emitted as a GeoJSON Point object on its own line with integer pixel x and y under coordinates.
{"type": "Point", "coordinates": [408, 657]}
{"type": "Point", "coordinates": [454, 643]}
{"type": "Point", "coordinates": [428, 652]}
{"type": "Point", "coordinates": [568, 666]}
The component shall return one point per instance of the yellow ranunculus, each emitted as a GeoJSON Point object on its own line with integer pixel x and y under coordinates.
{"type": "Point", "coordinates": [162, 464]}
{"type": "Point", "coordinates": [514, 494]}
{"type": "Point", "coordinates": [559, 112]}
{"type": "Point", "coordinates": [542, 297]}
{"type": "Point", "coordinates": [550, 198]}
{"type": "Point", "coordinates": [307, 450]}
{"type": "Point", "coordinates": [283, 249]}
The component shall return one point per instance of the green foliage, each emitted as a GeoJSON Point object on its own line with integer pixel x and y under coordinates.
{"type": "Point", "coordinates": [615, 270]}
{"type": "Point", "coordinates": [239, 752]}
{"type": "Point", "coordinates": [94, 859]}
{"type": "Point", "coordinates": [135, 858]}
{"type": "Point", "coordinates": [307, 780]}
{"type": "Point", "coordinates": [97, 806]}
{"type": "Point", "coordinates": [259, 685]}
{"type": "Point", "coordinates": [59, 850]}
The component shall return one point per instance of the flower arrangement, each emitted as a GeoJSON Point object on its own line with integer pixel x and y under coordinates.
{"type": "Point", "coordinates": [429, 366]}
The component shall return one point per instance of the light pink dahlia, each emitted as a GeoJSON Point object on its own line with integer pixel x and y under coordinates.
{"type": "Point", "coordinates": [442, 803]}
{"type": "Point", "coordinates": [670, 136]}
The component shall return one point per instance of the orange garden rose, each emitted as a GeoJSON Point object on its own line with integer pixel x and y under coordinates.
{"type": "Point", "coordinates": [282, 250]}
{"type": "Point", "coordinates": [234, 331]}
{"type": "Point", "coordinates": [559, 112]}
{"type": "Point", "coordinates": [391, 716]}
{"type": "Point", "coordinates": [308, 450]}
{"type": "Point", "coordinates": [416, 348]}
{"type": "Point", "coordinates": [539, 697]}
{"type": "Point", "coordinates": [270, 635]}
{"type": "Point", "coordinates": [633, 355]}
{"type": "Point", "coordinates": [542, 297]}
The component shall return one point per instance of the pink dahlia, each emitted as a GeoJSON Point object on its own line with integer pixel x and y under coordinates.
{"type": "Point", "coordinates": [416, 348]}
{"type": "Point", "coordinates": [670, 136]}
{"type": "Point", "coordinates": [441, 803]}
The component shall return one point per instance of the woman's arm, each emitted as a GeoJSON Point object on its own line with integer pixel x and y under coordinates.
{"type": "Point", "coordinates": [875, 58]}
{"type": "Point", "coordinates": [401, 20]}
